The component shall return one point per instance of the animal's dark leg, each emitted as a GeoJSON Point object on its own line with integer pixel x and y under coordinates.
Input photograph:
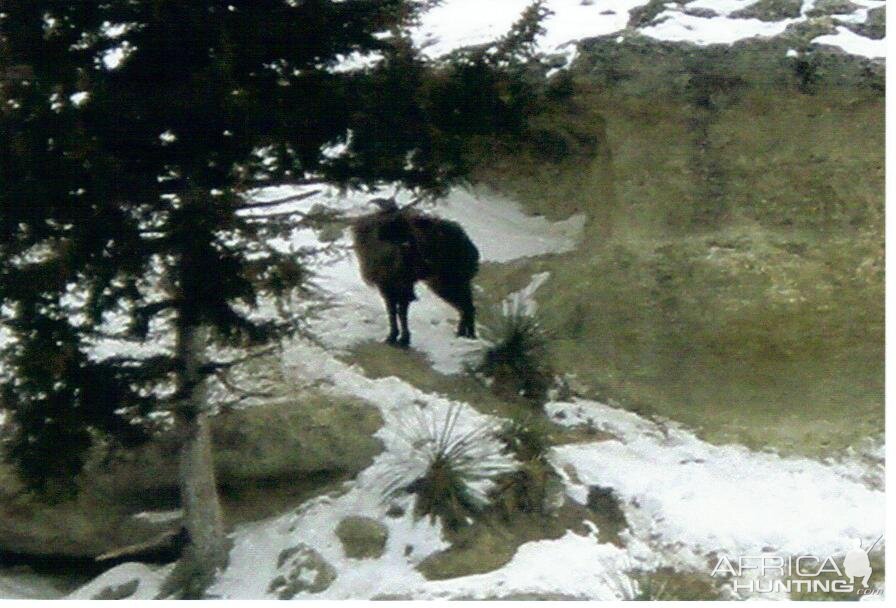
{"type": "Point", "coordinates": [392, 311]}
{"type": "Point", "coordinates": [460, 296]}
{"type": "Point", "coordinates": [405, 338]}
{"type": "Point", "coordinates": [467, 326]}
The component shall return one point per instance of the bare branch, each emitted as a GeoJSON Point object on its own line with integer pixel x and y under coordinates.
{"type": "Point", "coordinates": [242, 393]}
{"type": "Point", "coordinates": [281, 201]}
{"type": "Point", "coordinates": [214, 367]}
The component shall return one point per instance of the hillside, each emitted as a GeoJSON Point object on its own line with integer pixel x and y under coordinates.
{"type": "Point", "coordinates": [699, 232]}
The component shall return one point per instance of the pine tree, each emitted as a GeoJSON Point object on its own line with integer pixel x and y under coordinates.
{"type": "Point", "coordinates": [131, 132]}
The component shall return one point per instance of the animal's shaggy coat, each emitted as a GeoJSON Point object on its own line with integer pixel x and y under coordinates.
{"type": "Point", "coordinates": [396, 248]}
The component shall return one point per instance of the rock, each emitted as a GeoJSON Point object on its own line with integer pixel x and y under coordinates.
{"type": "Point", "coordinates": [554, 495]}
{"type": "Point", "coordinates": [83, 526]}
{"type": "Point", "coordinates": [703, 13]}
{"type": "Point", "coordinates": [306, 572]}
{"type": "Point", "coordinates": [118, 592]}
{"type": "Point", "coordinates": [611, 520]}
{"type": "Point", "coordinates": [312, 435]}
{"type": "Point", "coordinates": [770, 10]}
{"type": "Point", "coordinates": [644, 15]}
{"type": "Point", "coordinates": [875, 25]}
{"type": "Point", "coordinates": [362, 537]}
{"type": "Point", "coordinates": [311, 441]}
{"type": "Point", "coordinates": [832, 7]}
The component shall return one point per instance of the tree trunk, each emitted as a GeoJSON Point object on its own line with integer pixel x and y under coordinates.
{"type": "Point", "coordinates": [207, 548]}
{"type": "Point", "coordinates": [199, 497]}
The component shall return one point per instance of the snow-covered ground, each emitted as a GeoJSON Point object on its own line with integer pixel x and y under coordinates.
{"type": "Point", "coordinates": [690, 498]}
{"type": "Point", "coordinates": [685, 500]}
{"type": "Point", "coordinates": [459, 23]}
{"type": "Point", "coordinates": [26, 585]}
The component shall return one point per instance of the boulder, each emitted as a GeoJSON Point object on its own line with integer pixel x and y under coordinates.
{"type": "Point", "coordinates": [304, 571]}
{"type": "Point", "coordinates": [875, 25]}
{"type": "Point", "coordinates": [770, 10]}
{"type": "Point", "coordinates": [118, 592]}
{"type": "Point", "coordinates": [832, 7]}
{"type": "Point", "coordinates": [309, 442]}
{"type": "Point", "coordinates": [362, 537]}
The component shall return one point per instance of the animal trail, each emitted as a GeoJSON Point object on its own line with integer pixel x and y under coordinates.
{"type": "Point", "coordinates": [397, 247]}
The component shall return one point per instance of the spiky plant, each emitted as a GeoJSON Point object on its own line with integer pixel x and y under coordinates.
{"type": "Point", "coordinates": [535, 487]}
{"type": "Point", "coordinates": [518, 361]}
{"type": "Point", "coordinates": [526, 436]}
{"type": "Point", "coordinates": [451, 465]}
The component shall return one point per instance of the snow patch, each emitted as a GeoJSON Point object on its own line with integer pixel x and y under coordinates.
{"type": "Point", "coordinates": [853, 44]}
{"type": "Point", "coordinates": [149, 581]}
{"type": "Point", "coordinates": [456, 24]}
{"type": "Point", "coordinates": [689, 498]}
{"type": "Point", "coordinates": [461, 23]}
{"type": "Point", "coordinates": [24, 585]}
{"type": "Point", "coordinates": [676, 26]}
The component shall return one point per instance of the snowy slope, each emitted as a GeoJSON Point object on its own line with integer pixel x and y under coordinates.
{"type": "Point", "coordinates": [685, 500]}
{"type": "Point", "coordinates": [691, 498]}
{"type": "Point", "coordinates": [458, 23]}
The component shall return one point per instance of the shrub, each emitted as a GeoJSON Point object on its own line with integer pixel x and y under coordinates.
{"type": "Point", "coordinates": [667, 584]}
{"type": "Point", "coordinates": [450, 465]}
{"type": "Point", "coordinates": [517, 362]}
{"type": "Point", "coordinates": [525, 436]}
{"type": "Point", "coordinates": [534, 487]}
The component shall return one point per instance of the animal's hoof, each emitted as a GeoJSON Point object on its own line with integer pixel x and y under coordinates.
{"type": "Point", "coordinates": [391, 340]}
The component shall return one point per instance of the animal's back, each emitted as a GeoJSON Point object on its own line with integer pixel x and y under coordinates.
{"type": "Point", "coordinates": [446, 249]}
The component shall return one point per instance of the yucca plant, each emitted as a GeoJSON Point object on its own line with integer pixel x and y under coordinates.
{"type": "Point", "coordinates": [451, 465]}
{"type": "Point", "coordinates": [534, 487]}
{"type": "Point", "coordinates": [518, 361]}
{"type": "Point", "coordinates": [526, 436]}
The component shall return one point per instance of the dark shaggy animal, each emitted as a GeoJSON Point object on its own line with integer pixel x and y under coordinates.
{"type": "Point", "coordinates": [398, 247]}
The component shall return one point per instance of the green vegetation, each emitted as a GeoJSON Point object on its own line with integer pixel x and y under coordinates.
{"type": "Point", "coordinates": [534, 487]}
{"type": "Point", "coordinates": [448, 468]}
{"type": "Point", "coordinates": [517, 363]}
{"type": "Point", "coordinates": [731, 274]}
{"type": "Point", "coordinates": [668, 584]}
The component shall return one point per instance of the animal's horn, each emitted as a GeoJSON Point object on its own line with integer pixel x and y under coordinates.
{"type": "Point", "coordinates": [385, 204]}
{"type": "Point", "coordinates": [414, 202]}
